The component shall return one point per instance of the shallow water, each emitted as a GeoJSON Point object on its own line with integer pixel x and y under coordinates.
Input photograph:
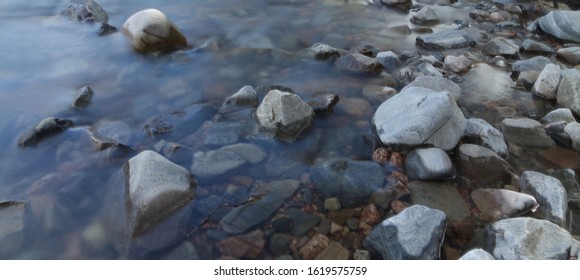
{"type": "Point", "coordinates": [45, 58]}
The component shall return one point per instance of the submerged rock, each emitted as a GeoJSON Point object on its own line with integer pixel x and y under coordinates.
{"type": "Point", "coordinates": [482, 133]}
{"type": "Point", "coordinates": [389, 60]}
{"type": "Point", "coordinates": [442, 196]}
{"type": "Point", "coordinates": [84, 98]}
{"type": "Point", "coordinates": [401, 4]}
{"type": "Point", "coordinates": [358, 63]}
{"type": "Point", "coordinates": [481, 165]}
{"type": "Point", "coordinates": [45, 129]}
{"type": "Point", "coordinates": [414, 234]}
{"type": "Point", "coordinates": [246, 96]}
{"type": "Point", "coordinates": [150, 31]}
{"type": "Point", "coordinates": [216, 164]}
{"type": "Point", "coordinates": [500, 204]}
{"type": "Point", "coordinates": [564, 25]}
{"type": "Point", "coordinates": [532, 46]}
{"type": "Point", "coordinates": [428, 164]}
{"type": "Point", "coordinates": [526, 132]}
{"type": "Point", "coordinates": [179, 123]}
{"type": "Point", "coordinates": [570, 55]}
{"type": "Point", "coordinates": [549, 192]}
{"type": "Point", "coordinates": [418, 116]}
{"type": "Point", "coordinates": [319, 51]}
{"type": "Point", "coordinates": [449, 39]}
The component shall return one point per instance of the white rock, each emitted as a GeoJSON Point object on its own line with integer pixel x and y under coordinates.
{"type": "Point", "coordinates": [150, 30]}
{"type": "Point", "coordinates": [457, 64]}
{"type": "Point", "coordinates": [547, 83]}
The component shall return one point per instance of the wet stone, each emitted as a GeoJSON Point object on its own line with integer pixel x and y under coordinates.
{"type": "Point", "coordinates": [284, 115]}
{"type": "Point", "coordinates": [314, 247]}
{"type": "Point", "coordinates": [319, 51]}
{"type": "Point", "coordinates": [44, 129]}
{"type": "Point", "coordinates": [573, 131]}
{"type": "Point", "coordinates": [547, 83]}
{"type": "Point", "coordinates": [479, 15]}
{"type": "Point", "coordinates": [279, 244]}
{"type": "Point", "coordinates": [481, 165]}
{"type": "Point", "coordinates": [322, 103]}
{"type": "Point", "coordinates": [282, 223]}
{"type": "Point", "coordinates": [477, 254]}
{"type": "Point", "coordinates": [84, 98]}
{"type": "Point", "coordinates": [450, 39]}
{"type": "Point", "coordinates": [425, 16]}
{"type": "Point", "coordinates": [400, 4]}
{"type": "Point", "coordinates": [501, 46]}
{"type": "Point", "coordinates": [175, 152]}
{"type": "Point", "coordinates": [428, 164]}
{"type": "Point", "coordinates": [383, 198]}
{"type": "Point", "coordinates": [249, 245]}
{"type": "Point", "coordinates": [570, 55]}
{"type": "Point", "coordinates": [500, 204]}
{"type": "Point", "coordinates": [332, 204]}
{"type": "Point", "coordinates": [527, 79]}
{"type": "Point", "coordinates": [564, 25]}
{"type": "Point", "coordinates": [179, 123]}
{"type": "Point", "coordinates": [115, 131]}
{"type": "Point", "coordinates": [531, 46]}
{"type": "Point", "coordinates": [550, 194]}
{"type": "Point", "coordinates": [389, 60]}
{"type": "Point", "coordinates": [482, 133]}
{"type": "Point", "coordinates": [441, 196]}
{"type": "Point", "coordinates": [428, 69]}
{"type": "Point", "coordinates": [437, 84]}
{"type": "Point", "coordinates": [334, 251]}
{"type": "Point", "coordinates": [250, 152]}
{"type": "Point", "coordinates": [185, 251]}
{"type": "Point", "coordinates": [303, 222]}
{"type": "Point", "coordinates": [222, 133]}
{"type": "Point", "coordinates": [568, 94]}
{"type": "Point", "coordinates": [526, 132]}
{"type": "Point", "coordinates": [216, 164]}
{"type": "Point", "coordinates": [150, 31]}
{"type": "Point", "coordinates": [358, 63]}
{"type": "Point", "coordinates": [370, 214]}
{"type": "Point", "coordinates": [246, 96]}
{"type": "Point", "coordinates": [414, 234]}
{"type": "Point", "coordinates": [562, 114]}
{"type": "Point", "coordinates": [536, 63]}
{"type": "Point", "coordinates": [457, 64]}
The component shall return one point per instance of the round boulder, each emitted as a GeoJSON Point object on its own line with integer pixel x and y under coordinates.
{"type": "Point", "coordinates": [150, 30]}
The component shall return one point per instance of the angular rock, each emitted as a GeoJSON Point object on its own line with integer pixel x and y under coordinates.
{"type": "Point", "coordinates": [564, 25]}
{"type": "Point", "coordinates": [425, 16]}
{"type": "Point", "coordinates": [246, 96]}
{"type": "Point", "coordinates": [449, 39]}
{"type": "Point", "coordinates": [156, 188]}
{"type": "Point", "coordinates": [547, 83]}
{"type": "Point", "coordinates": [150, 31]}
{"type": "Point", "coordinates": [562, 114]}
{"type": "Point", "coordinates": [284, 115]}
{"type": "Point", "coordinates": [531, 46]}
{"type": "Point", "coordinates": [269, 197]}
{"type": "Point", "coordinates": [249, 245]}
{"type": "Point", "coordinates": [500, 204]}
{"type": "Point", "coordinates": [91, 11]}
{"type": "Point", "coordinates": [401, 4]}
{"type": "Point", "coordinates": [437, 84]}
{"type": "Point", "coordinates": [477, 254]}
{"type": "Point", "coordinates": [216, 164]}
{"type": "Point", "coordinates": [389, 60]}
{"type": "Point", "coordinates": [351, 182]}
{"type": "Point", "coordinates": [481, 165]}
{"type": "Point", "coordinates": [573, 131]}
{"type": "Point", "coordinates": [323, 103]}
{"type": "Point", "coordinates": [568, 94]}
{"type": "Point", "coordinates": [457, 64]}
{"type": "Point", "coordinates": [536, 63]}
{"type": "Point", "coordinates": [484, 134]}
{"type": "Point", "coordinates": [549, 192]}
{"type": "Point", "coordinates": [441, 196]}
{"type": "Point", "coordinates": [570, 55]}
{"type": "Point", "coordinates": [334, 251]}
{"type": "Point", "coordinates": [12, 222]}
{"type": "Point", "coordinates": [414, 234]}
{"type": "Point", "coordinates": [428, 164]}
{"type": "Point", "coordinates": [302, 222]}
{"type": "Point", "coordinates": [319, 51]}
{"type": "Point", "coordinates": [428, 69]}
{"type": "Point", "coordinates": [524, 239]}
{"type": "Point", "coordinates": [358, 63]}
{"type": "Point", "coordinates": [501, 46]}
{"type": "Point", "coordinates": [314, 247]}
{"type": "Point", "coordinates": [44, 129]}
{"type": "Point", "coordinates": [527, 79]}
{"type": "Point", "coordinates": [418, 116]}
{"type": "Point", "coordinates": [84, 98]}
{"type": "Point", "coordinates": [179, 123]}
{"type": "Point", "coordinates": [526, 132]}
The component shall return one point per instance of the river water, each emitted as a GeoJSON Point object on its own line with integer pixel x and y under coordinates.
{"type": "Point", "coordinates": [45, 59]}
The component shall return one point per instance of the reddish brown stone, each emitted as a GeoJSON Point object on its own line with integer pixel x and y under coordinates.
{"type": "Point", "coordinates": [381, 155]}
{"type": "Point", "coordinates": [249, 245]}
{"type": "Point", "coordinates": [370, 214]}
{"type": "Point", "coordinates": [396, 160]}
{"type": "Point", "coordinates": [398, 206]}
{"type": "Point", "coordinates": [314, 247]}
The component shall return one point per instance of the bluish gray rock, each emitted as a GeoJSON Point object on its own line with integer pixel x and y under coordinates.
{"type": "Point", "coordinates": [437, 84]}
{"type": "Point", "coordinates": [284, 115]}
{"type": "Point", "coordinates": [481, 165]}
{"type": "Point", "coordinates": [352, 182]}
{"type": "Point", "coordinates": [482, 133]}
{"type": "Point", "coordinates": [449, 39]}
{"type": "Point", "coordinates": [216, 164]}
{"type": "Point", "coordinates": [414, 234]}
{"type": "Point", "coordinates": [477, 254]}
{"type": "Point", "coordinates": [389, 60]}
{"type": "Point", "coordinates": [44, 129]}
{"type": "Point", "coordinates": [425, 16]}
{"type": "Point", "coordinates": [428, 164]}
{"type": "Point", "coordinates": [83, 98]}
{"type": "Point", "coordinates": [568, 94]}
{"type": "Point", "coordinates": [536, 63]}
{"type": "Point", "coordinates": [561, 114]}
{"type": "Point", "coordinates": [500, 204]}
{"type": "Point", "coordinates": [418, 116]}
{"type": "Point", "coordinates": [549, 192]}
{"type": "Point", "coordinates": [547, 83]}
{"type": "Point", "coordinates": [428, 69]}
{"type": "Point", "coordinates": [218, 134]}
{"type": "Point", "coordinates": [523, 239]}
{"type": "Point", "coordinates": [457, 64]}
{"type": "Point", "coordinates": [532, 46]}
{"type": "Point", "coordinates": [246, 96]}
{"type": "Point", "coordinates": [358, 63]}
{"type": "Point", "coordinates": [318, 51]}
{"type": "Point", "coordinates": [178, 124]}
{"type": "Point", "coordinates": [526, 132]}
{"type": "Point", "coordinates": [570, 55]}
{"type": "Point", "coordinates": [501, 46]}
{"type": "Point", "coordinates": [441, 196]}
{"type": "Point", "coordinates": [250, 152]}
{"type": "Point", "coordinates": [564, 25]}
{"type": "Point", "coordinates": [573, 131]}
{"type": "Point", "coordinates": [270, 196]}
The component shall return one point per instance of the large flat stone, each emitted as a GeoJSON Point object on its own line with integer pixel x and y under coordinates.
{"type": "Point", "coordinates": [441, 196]}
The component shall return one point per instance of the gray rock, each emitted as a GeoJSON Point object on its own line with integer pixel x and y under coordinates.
{"type": "Point", "coordinates": [401, 4]}
{"type": "Point", "coordinates": [500, 204]}
{"type": "Point", "coordinates": [536, 63]}
{"type": "Point", "coordinates": [562, 114]}
{"type": "Point", "coordinates": [441, 196]}
{"type": "Point", "coordinates": [175, 152]}
{"type": "Point", "coordinates": [547, 83]}
{"type": "Point", "coordinates": [527, 79]}
{"type": "Point", "coordinates": [12, 222]}
{"type": "Point", "coordinates": [150, 31]}
{"type": "Point", "coordinates": [115, 132]}
{"type": "Point", "coordinates": [250, 152]}
{"type": "Point", "coordinates": [319, 51]}
{"type": "Point", "coordinates": [218, 134]}
{"type": "Point", "coordinates": [568, 179]}
{"type": "Point", "coordinates": [523, 239]}
{"type": "Point", "coordinates": [556, 130]}
{"type": "Point", "coordinates": [564, 25]}
{"type": "Point", "coordinates": [532, 46]}
{"type": "Point", "coordinates": [358, 63]}
{"type": "Point", "coordinates": [568, 95]}
{"type": "Point", "coordinates": [246, 96]}
{"type": "Point", "coordinates": [457, 64]}
{"type": "Point", "coordinates": [526, 132]}
{"type": "Point", "coordinates": [216, 164]}
{"type": "Point", "coordinates": [449, 39]}
{"type": "Point", "coordinates": [271, 195]}
{"type": "Point", "coordinates": [91, 11]}
{"type": "Point", "coordinates": [425, 16]}
{"type": "Point", "coordinates": [44, 129]}
{"type": "Point", "coordinates": [414, 234]}
{"type": "Point", "coordinates": [303, 222]}
{"type": "Point", "coordinates": [179, 123]}
{"type": "Point", "coordinates": [389, 60]}
{"type": "Point", "coordinates": [570, 55]}
{"type": "Point", "coordinates": [352, 182]}
{"type": "Point", "coordinates": [284, 115]}
{"type": "Point", "coordinates": [322, 103]}
{"type": "Point", "coordinates": [482, 133]}
{"type": "Point", "coordinates": [481, 165]}
{"type": "Point", "coordinates": [437, 84]}
{"type": "Point", "coordinates": [549, 192]}
{"type": "Point", "coordinates": [479, 15]}
{"type": "Point", "coordinates": [428, 164]}
{"type": "Point", "coordinates": [573, 131]}
{"type": "Point", "coordinates": [428, 69]}
{"type": "Point", "coordinates": [418, 116]}
{"type": "Point", "coordinates": [84, 98]}
{"type": "Point", "coordinates": [477, 254]}
{"type": "Point", "coordinates": [156, 188]}
{"type": "Point", "coordinates": [501, 46]}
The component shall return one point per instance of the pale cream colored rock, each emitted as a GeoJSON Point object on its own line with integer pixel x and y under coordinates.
{"type": "Point", "coordinates": [150, 30]}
